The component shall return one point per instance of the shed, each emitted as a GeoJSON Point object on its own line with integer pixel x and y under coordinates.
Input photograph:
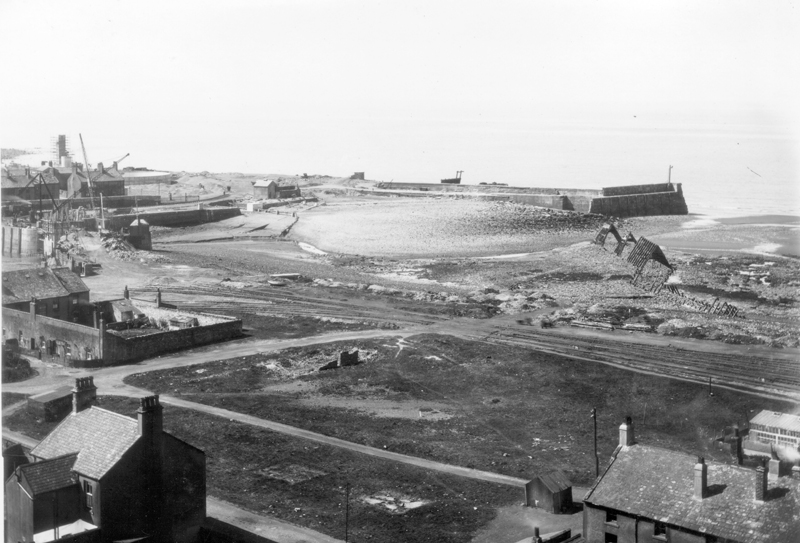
{"type": "Point", "coordinates": [265, 189]}
{"type": "Point", "coordinates": [139, 235]}
{"type": "Point", "coordinates": [53, 405]}
{"type": "Point", "coordinates": [551, 492]}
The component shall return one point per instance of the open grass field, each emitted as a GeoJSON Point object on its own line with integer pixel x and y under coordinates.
{"type": "Point", "coordinates": [304, 483]}
{"type": "Point", "coordinates": [503, 409]}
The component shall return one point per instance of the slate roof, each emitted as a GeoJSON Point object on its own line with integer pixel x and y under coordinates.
{"type": "Point", "coordinates": [57, 394]}
{"type": "Point", "coordinates": [555, 481]}
{"type": "Point", "coordinates": [99, 438]}
{"type": "Point", "coordinates": [14, 179]}
{"type": "Point", "coordinates": [264, 183]}
{"type": "Point", "coordinates": [658, 484]}
{"type": "Point", "coordinates": [777, 420]}
{"type": "Point", "coordinates": [40, 283]}
{"type": "Point", "coordinates": [71, 281]}
{"type": "Point", "coordinates": [49, 475]}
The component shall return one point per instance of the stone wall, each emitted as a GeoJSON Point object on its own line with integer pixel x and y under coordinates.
{"type": "Point", "coordinates": [644, 204]}
{"type": "Point", "coordinates": [130, 349]}
{"type": "Point", "coordinates": [73, 341]}
{"type": "Point", "coordinates": [637, 189]}
{"type": "Point", "coordinates": [108, 202]}
{"type": "Point", "coordinates": [185, 217]}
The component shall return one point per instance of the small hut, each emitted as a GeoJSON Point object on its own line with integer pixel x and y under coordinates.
{"type": "Point", "coordinates": [551, 492]}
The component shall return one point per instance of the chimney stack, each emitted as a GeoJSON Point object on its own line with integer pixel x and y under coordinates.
{"type": "Point", "coordinates": [83, 394]}
{"type": "Point", "coordinates": [536, 537]}
{"type": "Point", "coordinates": [100, 168]}
{"type": "Point", "coordinates": [700, 478]}
{"type": "Point", "coordinates": [761, 483]}
{"type": "Point", "coordinates": [795, 472]}
{"type": "Point", "coordinates": [626, 433]}
{"type": "Point", "coordinates": [126, 294]}
{"type": "Point", "coordinates": [774, 470]}
{"type": "Point", "coordinates": [151, 420]}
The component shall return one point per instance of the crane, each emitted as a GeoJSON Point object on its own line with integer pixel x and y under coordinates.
{"type": "Point", "coordinates": [121, 159]}
{"type": "Point", "coordinates": [88, 174]}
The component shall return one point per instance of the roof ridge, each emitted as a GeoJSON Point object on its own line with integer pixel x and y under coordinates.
{"type": "Point", "coordinates": [600, 478]}
{"type": "Point", "coordinates": [38, 463]}
{"type": "Point", "coordinates": [125, 417]}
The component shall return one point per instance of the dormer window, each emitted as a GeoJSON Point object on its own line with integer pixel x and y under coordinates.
{"type": "Point", "coordinates": [611, 517]}
{"type": "Point", "coordinates": [660, 531]}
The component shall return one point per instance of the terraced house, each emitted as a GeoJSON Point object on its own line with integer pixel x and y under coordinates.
{"type": "Point", "coordinates": [653, 495]}
{"type": "Point", "coordinates": [100, 476]}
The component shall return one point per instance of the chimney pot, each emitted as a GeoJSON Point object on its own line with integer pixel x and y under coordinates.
{"type": "Point", "coordinates": [626, 433]}
{"type": "Point", "coordinates": [83, 394]}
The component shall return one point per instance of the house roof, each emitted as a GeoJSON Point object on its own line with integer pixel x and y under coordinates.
{"type": "Point", "coordinates": [44, 397]}
{"type": "Point", "coordinates": [123, 304]}
{"type": "Point", "coordinates": [22, 285]}
{"type": "Point", "coordinates": [555, 481]}
{"type": "Point", "coordinates": [49, 475]}
{"type": "Point", "coordinates": [658, 484]}
{"type": "Point", "coordinates": [40, 283]}
{"type": "Point", "coordinates": [264, 183]}
{"type": "Point", "coordinates": [777, 420]}
{"type": "Point", "coordinates": [71, 281]}
{"type": "Point", "coordinates": [99, 438]}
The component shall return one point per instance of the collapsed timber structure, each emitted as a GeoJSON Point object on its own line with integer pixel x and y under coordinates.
{"type": "Point", "coordinates": [653, 272]}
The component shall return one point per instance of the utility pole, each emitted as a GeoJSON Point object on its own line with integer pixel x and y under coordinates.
{"type": "Point", "coordinates": [346, 511]}
{"type": "Point", "coordinates": [596, 458]}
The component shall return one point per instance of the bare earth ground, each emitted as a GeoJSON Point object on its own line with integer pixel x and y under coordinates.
{"type": "Point", "coordinates": [415, 263]}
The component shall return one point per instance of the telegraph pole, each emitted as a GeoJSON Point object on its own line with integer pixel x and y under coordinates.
{"type": "Point", "coordinates": [346, 511]}
{"type": "Point", "coordinates": [596, 458]}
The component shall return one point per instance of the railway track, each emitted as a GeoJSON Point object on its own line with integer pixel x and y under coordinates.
{"type": "Point", "coordinates": [764, 375]}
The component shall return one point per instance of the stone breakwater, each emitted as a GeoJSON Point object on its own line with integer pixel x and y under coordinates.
{"type": "Point", "coordinates": [624, 201]}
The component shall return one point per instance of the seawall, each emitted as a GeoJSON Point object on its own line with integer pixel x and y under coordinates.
{"type": "Point", "coordinates": [622, 201]}
{"type": "Point", "coordinates": [184, 217]}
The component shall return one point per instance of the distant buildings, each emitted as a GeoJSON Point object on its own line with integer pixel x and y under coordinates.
{"type": "Point", "coordinates": [269, 189]}
{"type": "Point", "coordinates": [772, 431]}
{"type": "Point", "coordinates": [657, 495]}
{"type": "Point", "coordinates": [100, 476]}
{"type": "Point", "coordinates": [48, 312]}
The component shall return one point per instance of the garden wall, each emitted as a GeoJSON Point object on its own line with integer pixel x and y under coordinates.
{"type": "Point", "coordinates": [123, 349]}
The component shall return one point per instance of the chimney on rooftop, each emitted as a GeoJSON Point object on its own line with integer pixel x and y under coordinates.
{"type": "Point", "coordinates": [795, 472]}
{"type": "Point", "coordinates": [536, 537]}
{"type": "Point", "coordinates": [700, 478]}
{"type": "Point", "coordinates": [83, 394]}
{"type": "Point", "coordinates": [626, 433]}
{"type": "Point", "coordinates": [126, 294]}
{"type": "Point", "coordinates": [151, 420]}
{"type": "Point", "coordinates": [27, 171]}
{"type": "Point", "coordinates": [100, 168]}
{"type": "Point", "coordinates": [761, 483]}
{"type": "Point", "coordinates": [774, 470]}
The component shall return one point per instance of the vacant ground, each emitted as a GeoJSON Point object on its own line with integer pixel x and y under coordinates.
{"type": "Point", "coordinates": [503, 409]}
{"type": "Point", "coordinates": [305, 483]}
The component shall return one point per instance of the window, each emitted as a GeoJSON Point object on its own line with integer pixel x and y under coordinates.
{"type": "Point", "coordinates": [611, 517]}
{"type": "Point", "coordinates": [660, 530]}
{"type": "Point", "coordinates": [55, 305]}
{"type": "Point", "coordinates": [74, 301]}
{"type": "Point", "coordinates": [87, 490]}
{"type": "Point", "coordinates": [611, 538]}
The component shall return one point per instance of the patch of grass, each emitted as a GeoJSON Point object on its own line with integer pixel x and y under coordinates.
{"type": "Point", "coordinates": [241, 461]}
{"type": "Point", "coordinates": [540, 423]}
{"type": "Point", "coordinates": [10, 398]}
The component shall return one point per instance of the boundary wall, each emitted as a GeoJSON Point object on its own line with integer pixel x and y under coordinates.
{"type": "Point", "coordinates": [108, 202]}
{"type": "Point", "coordinates": [183, 217]}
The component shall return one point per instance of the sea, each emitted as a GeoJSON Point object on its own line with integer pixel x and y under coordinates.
{"type": "Point", "coordinates": [729, 164]}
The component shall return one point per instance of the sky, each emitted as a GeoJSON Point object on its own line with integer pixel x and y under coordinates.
{"type": "Point", "coordinates": [403, 89]}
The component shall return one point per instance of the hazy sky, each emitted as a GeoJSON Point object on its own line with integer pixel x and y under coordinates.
{"type": "Point", "coordinates": [308, 81]}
